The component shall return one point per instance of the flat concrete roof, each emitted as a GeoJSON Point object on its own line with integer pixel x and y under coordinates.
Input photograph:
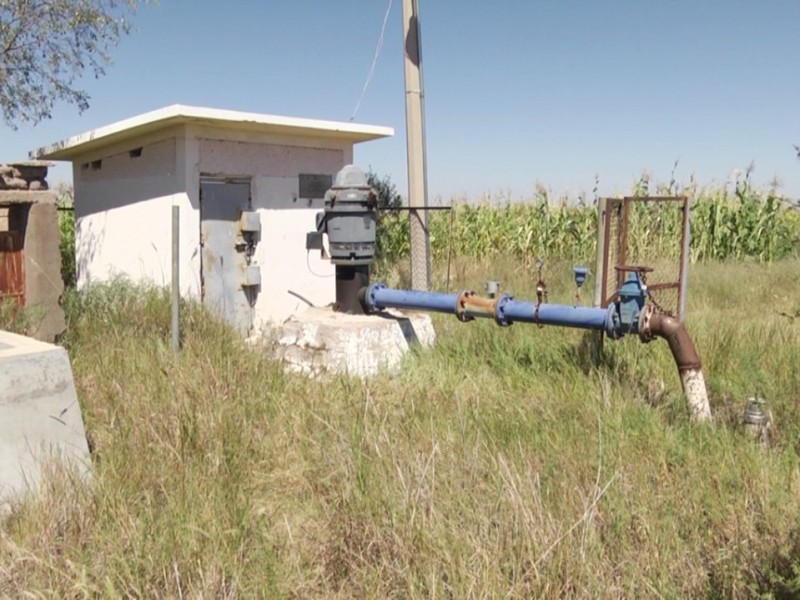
{"type": "Point", "coordinates": [178, 114]}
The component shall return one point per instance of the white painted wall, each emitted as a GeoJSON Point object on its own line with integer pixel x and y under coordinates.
{"type": "Point", "coordinates": [133, 240]}
{"type": "Point", "coordinates": [123, 210]}
{"type": "Point", "coordinates": [288, 270]}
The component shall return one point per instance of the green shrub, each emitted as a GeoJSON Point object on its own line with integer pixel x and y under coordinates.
{"type": "Point", "coordinates": [66, 226]}
{"type": "Point", "coordinates": [13, 318]}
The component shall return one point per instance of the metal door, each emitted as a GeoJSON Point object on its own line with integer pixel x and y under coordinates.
{"type": "Point", "coordinates": [12, 267]}
{"type": "Point", "coordinates": [224, 255]}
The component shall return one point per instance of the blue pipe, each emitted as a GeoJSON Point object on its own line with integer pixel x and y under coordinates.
{"type": "Point", "coordinates": [379, 297]}
{"type": "Point", "coordinates": [513, 311]}
{"type": "Point", "coordinates": [505, 311]}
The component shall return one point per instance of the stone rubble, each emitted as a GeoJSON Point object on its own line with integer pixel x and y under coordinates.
{"type": "Point", "coordinates": [30, 175]}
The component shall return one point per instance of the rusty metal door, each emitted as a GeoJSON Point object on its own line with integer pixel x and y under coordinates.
{"type": "Point", "coordinates": [12, 267]}
{"type": "Point", "coordinates": [223, 255]}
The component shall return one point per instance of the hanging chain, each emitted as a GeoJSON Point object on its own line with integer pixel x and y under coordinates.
{"type": "Point", "coordinates": [653, 301]}
{"type": "Point", "coordinates": [541, 292]}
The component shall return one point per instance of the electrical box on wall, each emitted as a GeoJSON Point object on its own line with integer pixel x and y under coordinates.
{"type": "Point", "coordinates": [250, 222]}
{"type": "Point", "coordinates": [251, 277]}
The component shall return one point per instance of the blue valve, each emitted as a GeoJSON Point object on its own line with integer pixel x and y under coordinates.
{"type": "Point", "coordinates": [580, 275]}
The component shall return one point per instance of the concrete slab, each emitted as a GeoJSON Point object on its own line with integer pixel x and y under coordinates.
{"type": "Point", "coordinates": [40, 418]}
{"type": "Point", "coordinates": [319, 341]}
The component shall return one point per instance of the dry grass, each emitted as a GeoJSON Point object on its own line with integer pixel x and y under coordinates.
{"type": "Point", "coordinates": [497, 464]}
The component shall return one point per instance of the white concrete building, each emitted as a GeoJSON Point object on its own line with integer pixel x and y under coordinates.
{"type": "Point", "coordinates": [248, 187]}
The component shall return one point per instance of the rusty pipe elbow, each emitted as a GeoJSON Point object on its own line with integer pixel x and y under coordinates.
{"type": "Point", "coordinates": [680, 343]}
{"type": "Point", "coordinates": [654, 324]}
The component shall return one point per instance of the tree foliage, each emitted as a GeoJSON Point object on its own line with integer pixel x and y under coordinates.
{"type": "Point", "coordinates": [47, 45]}
{"type": "Point", "coordinates": [388, 196]}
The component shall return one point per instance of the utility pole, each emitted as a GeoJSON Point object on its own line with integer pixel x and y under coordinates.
{"type": "Point", "coordinates": [415, 144]}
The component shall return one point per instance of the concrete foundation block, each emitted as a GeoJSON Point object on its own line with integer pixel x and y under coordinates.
{"type": "Point", "coordinates": [320, 341]}
{"type": "Point", "coordinates": [40, 418]}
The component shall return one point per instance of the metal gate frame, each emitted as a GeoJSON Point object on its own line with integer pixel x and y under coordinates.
{"type": "Point", "coordinates": [615, 251]}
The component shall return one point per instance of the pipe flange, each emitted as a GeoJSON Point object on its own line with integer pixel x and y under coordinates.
{"type": "Point", "coordinates": [500, 310]}
{"type": "Point", "coordinates": [461, 301]}
{"type": "Point", "coordinates": [645, 320]}
{"type": "Point", "coordinates": [369, 297]}
{"type": "Point", "coordinates": [613, 325]}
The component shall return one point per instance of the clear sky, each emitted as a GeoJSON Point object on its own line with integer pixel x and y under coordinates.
{"type": "Point", "coordinates": [516, 91]}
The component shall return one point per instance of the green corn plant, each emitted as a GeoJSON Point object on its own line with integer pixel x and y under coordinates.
{"type": "Point", "coordinates": [744, 224]}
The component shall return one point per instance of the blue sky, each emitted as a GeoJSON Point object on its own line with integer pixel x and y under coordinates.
{"type": "Point", "coordinates": [517, 91]}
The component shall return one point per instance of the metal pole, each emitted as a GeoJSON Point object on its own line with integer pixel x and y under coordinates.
{"type": "Point", "coordinates": [600, 276]}
{"type": "Point", "coordinates": [415, 143]}
{"type": "Point", "coordinates": [599, 268]}
{"type": "Point", "coordinates": [685, 250]}
{"type": "Point", "coordinates": [176, 279]}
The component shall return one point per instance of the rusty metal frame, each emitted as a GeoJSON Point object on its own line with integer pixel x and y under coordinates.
{"type": "Point", "coordinates": [12, 266]}
{"type": "Point", "coordinates": [619, 209]}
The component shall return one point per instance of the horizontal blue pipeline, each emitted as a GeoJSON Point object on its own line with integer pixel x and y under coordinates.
{"type": "Point", "coordinates": [380, 297]}
{"type": "Point", "coordinates": [581, 317]}
{"type": "Point", "coordinates": [508, 310]}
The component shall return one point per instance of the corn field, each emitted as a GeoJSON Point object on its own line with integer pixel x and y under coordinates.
{"type": "Point", "coordinates": [743, 224]}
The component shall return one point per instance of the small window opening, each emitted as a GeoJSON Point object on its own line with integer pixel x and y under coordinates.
{"type": "Point", "coordinates": [85, 166]}
{"type": "Point", "coordinates": [135, 153]}
{"type": "Point", "coordinates": [97, 165]}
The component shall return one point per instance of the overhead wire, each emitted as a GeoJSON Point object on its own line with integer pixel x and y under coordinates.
{"type": "Point", "coordinates": [378, 48]}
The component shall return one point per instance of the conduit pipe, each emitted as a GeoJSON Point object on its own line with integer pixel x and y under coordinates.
{"type": "Point", "coordinates": [510, 311]}
{"type": "Point", "coordinates": [377, 297]}
{"type": "Point", "coordinates": [466, 305]}
{"type": "Point", "coordinates": [505, 310]}
{"type": "Point", "coordinates": [690, 369]}
{"type": "Point", "coordinates": [629, 315]}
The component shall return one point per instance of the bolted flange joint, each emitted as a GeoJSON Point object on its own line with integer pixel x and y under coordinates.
{"type": "Point", "coordinates": [500, 312]}
{"type": "Point", "coordinates": [367, 297]}
{"type": "Point", "coordinates": [646, 334]}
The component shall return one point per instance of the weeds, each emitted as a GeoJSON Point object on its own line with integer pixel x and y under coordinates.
{"type": "Point", "coordinates": [13, 317]}
{"type": "Point", "coordinates": [19, 319]}
{"type": "Point", "coordinates": [499, 463]}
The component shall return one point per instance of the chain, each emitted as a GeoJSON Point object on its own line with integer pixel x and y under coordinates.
{"type": "Point", "coordinates": [660, 308]}
{"type": "Point", "coordinates": [541, 292]}
{"type": "Point", "coordinates": [653, 301]}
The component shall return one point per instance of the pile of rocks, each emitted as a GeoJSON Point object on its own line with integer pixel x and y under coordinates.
{"type": "Point", "coordinates": [24, 176]}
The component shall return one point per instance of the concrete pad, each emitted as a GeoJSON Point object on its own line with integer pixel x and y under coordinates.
{"type": "Point", "coordinates": [40, 418]}
{"type": "Point", "coordinates": [319, 341]}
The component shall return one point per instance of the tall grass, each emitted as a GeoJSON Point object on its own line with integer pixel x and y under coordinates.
{"type": "Point", "coordinates": [497, 464]}
{"type": "Point", "coordinates": [746, 223]}
{"type": "Point", "coordinates": [66, 226]}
